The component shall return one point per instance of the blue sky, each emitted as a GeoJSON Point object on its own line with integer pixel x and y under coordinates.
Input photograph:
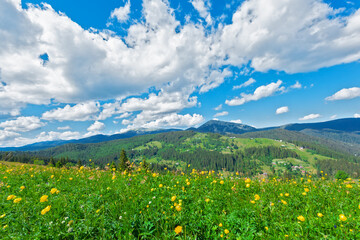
{"type": "Point", "coordinates": [72, 69]}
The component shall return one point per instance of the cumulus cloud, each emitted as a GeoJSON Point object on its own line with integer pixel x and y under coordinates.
{"type": "Point", "coordinates": [218, 108]}
{"type": "Point", "coordinates": [297, 85]}
{"type": "Point", "coordinates": [6, 135]}
{"type": "Point", "coordinates": [309, 117]}
{"type": "Point", "coordinates": [43, 136]}
{"type": "Point", "coordinates": [245, 84]}
{"type": "Point", "coordinates": [236, 121]}
{"type": "Point", "coordinates": [224, 113]}
{"type": "Point", "coordinates": [64, 128]}
{"type": "Point", "coordinates": [203, 9]}
{"type": "Point", "coordinates": [121, 13]}
{"type": "Point", "coordinates": [169, 120]}
{"type": "Point", "coordinates": [22, 124]}
{"type": "Point", "coordinates": [259, 93]}
{"type": "Point", "coordinates": [356, 115]}
{"type": "Point", "coordinates": [79, 112]}
{"type": "Point", "coordinates": [282, 110]}
{"type": "Point", "coordinates": [291, 36]}
{"type": "Point", "coordinates": [96, 127]}
{"type": "Point", "coordinates": [345, 93]}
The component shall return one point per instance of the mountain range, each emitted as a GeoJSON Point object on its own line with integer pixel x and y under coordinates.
{"type": "Point", "coordinates": [342, 134]}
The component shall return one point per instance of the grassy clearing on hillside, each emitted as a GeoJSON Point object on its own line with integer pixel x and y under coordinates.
{"type": "Point", "coordinates": [47, 203]}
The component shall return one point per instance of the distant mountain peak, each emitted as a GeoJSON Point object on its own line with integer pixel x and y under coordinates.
{"type": "Point", "coordinates": [223, 127]}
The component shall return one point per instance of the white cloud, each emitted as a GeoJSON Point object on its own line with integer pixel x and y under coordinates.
{"type": "Point", "coordinates": [291, 36]}
{"type": "Point", "coordinates": [345, 93]}
{"type": "Point", "coordinates": [22, 124]}
{"type": "Point", "coordinates": [297, 85]}
{"type": "Point", "coordinates": [43, 136]}
{"type": "Point", "coordinates": [7, 135]}
{"type": "Point", "coordinates": [309, 117]}
{"type": "Point", "coordinates": [356, 115]}
{"type": "Point", "coordinates": [224, 113]}
{"type": "Point", "coordinates": [124, 115]}
{"type": "Point", "coordinates": [333, 116]}
{"type": "Point", "coordinates": [79, 112]}
{"type": "Point", "coordinates": [282, 110]}
{"type": "Point", "coordinates": [260, 92]}
{"type": "Point", "coordinates": [245, 84]}
{"type": "Point", "coordinates": [170, 120]}
{"type": "Point", "coordinates": [218, 108]}
{"type": "Point", "coordinates": [64, 128]}
{"type": "Point", "coordinates": [236, 121]}
{"type": "Point", "coordinates": [96, 127]}
{"type": "Point", "coordinates": [203, 8]}
{"type": "Point", "coordinates": [121, 13]}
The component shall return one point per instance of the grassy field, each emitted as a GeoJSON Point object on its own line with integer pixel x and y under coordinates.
{"type": "Point", "coordinates": [39, 202]}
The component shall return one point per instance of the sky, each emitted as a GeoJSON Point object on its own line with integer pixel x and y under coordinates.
{"type": "Point", "coordinates": [74, 69]}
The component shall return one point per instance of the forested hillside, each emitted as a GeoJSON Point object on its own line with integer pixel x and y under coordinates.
{"type": "Point", "coordinates": [248, 153]}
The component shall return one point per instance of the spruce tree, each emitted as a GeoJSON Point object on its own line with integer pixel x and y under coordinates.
{"type": "Point", "coordinates": [124, 161]}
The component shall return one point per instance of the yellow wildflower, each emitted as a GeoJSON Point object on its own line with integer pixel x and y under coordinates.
{"type": "Point", "coordinates": [178, 229]}
{"type": "Point", "coordinates": [160, 185]}
{"type": "Point", "coordinates": [221, 182]}
{"type": "Point", "coordinates": [3, 215]}
{"type": "Point", "coordinates": [320, 215]}
{"type": "Point", "coordinates": [53, 190]}
{"type": "Point", "coordinates": [220, 225]}
{"type": "Point", "coordinates": [22, 187]}
{"type": "Point", "coordinates": [11, 197]}
{"type": "Point", "coordinates": [257, 197]}
{"type": "Point", "coordinates": [173, 198]}
{"type": "Point", "coordinates": [44, 198]}
{"type": "Point", "coordinates": [301, 218]}
{"type": "Point", "coordinates": [16, 200]}
{"type": "Point", "coordinates": [45, 210]}
{"type": "Point", "coordinates": [306, 190]}
{"type": "Point", "coordinates": [207, 200]}
{"type": "Point", "coordinates": [342, 217]}
{"type": "Point", "coordinates": [178, 208]}
{"type": "Point", "coordinates": [226, 231]}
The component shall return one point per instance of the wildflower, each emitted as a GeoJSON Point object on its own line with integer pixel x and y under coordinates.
{"type": "Point", "coordinates": [342, 217]}
{"type": "Point", "coordinates": [16, 200]}
{"type": "Point", "coordinates": [22, 187]}
{"type": "Point", "coordinates": [252, 201]}
{"type": "Point", "coordinates": [113, 177]}
{"type": "Point", "coordinates": [226, 231]}
{"type": "Point", "coordinates": [301, 218]}
{"type": "Point", "coordinates": [52, 176]}
{"type": "Point", "coordinates": [178, 208]}
{"type": "Point", "coordinates": [284, 202]}
{"type": "Point", "coordinates": [45, 210]}
{"type": "Point", "coordinates": [160, 185]}
{"type": "Point", "coordinates": [306, 190]}
{"type": "Point", "coordinates": [178, 229]}
{"type": "Point", "coordinates": [221, 182]}
{"type": "Point", "coordinates": [2, 216]}
{"type": "Point", "coordinates": [11, 197]}
{"type": "Point", "coordinates": [320, 215]}
{"type": "Point", "coordinates": [286, 194]}
{"type": "Point", "coordinates": [304, 193]}
{"type": "Point", "coordinates": [53, 190]}
{"type": "Point", "coordinates": [71, 179]}
{"type": "Point", "coordinates": [220, 225]}
{"type": "Point", "coordinates": [188, 183]}
{"type": "Point", "coordinates": [207, 200]}
{"type": "Point", "coordinates": [44, 198]}
{"type": "Point", "coordinates": [247, 180]}
{"type": "Point", "coordinates": [5, 226]}
{"type": "Point", "coordinates": [97, 211]}
{"type": "Point", "coordinates": [248, 185]}
{"type": "Point", "coordinates": [173, 198]}
{"type": "Point", "coordinates": [349, 186]}
{"type": "Point", "coordinates": [266, 228]}
{"type": "Point", "coordinates": [257, 197]}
